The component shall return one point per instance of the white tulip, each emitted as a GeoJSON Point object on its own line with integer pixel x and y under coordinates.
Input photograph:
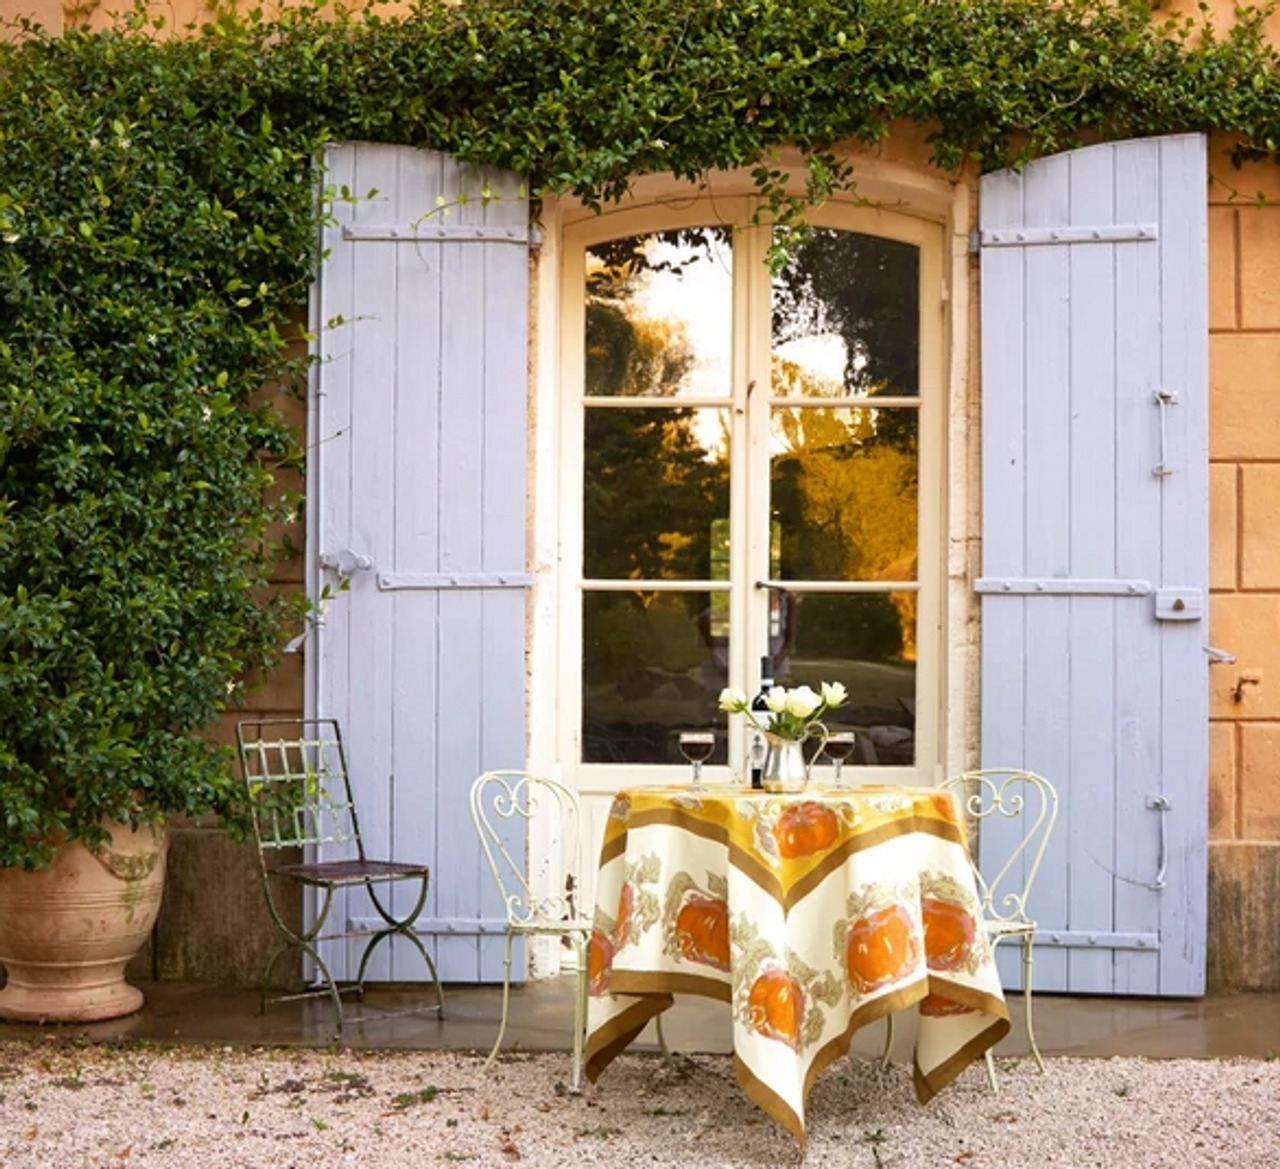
{"type": "Point", "coordinates": [834, 693]}
{"type": "Point", "coordinates": [732, 700]}
{"type": "Point", "coordinates": [802, 702]}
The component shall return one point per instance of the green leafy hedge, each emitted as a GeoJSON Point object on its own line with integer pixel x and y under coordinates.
{"type": "Point", "coordinates": [158, 218]}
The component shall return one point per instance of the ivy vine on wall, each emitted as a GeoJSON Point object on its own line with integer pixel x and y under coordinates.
{"type": "Point", "coordinates": [158, 218]}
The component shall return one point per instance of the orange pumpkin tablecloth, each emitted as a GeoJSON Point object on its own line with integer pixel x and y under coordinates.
{"type": "Point", "coordinates": [810, 914]}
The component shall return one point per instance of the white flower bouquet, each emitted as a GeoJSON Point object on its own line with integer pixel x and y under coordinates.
{"type": "Point", "coordinates": [796, 711]}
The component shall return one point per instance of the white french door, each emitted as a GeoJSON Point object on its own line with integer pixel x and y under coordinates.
{"type": "Point", "coordinates": [751, 467]}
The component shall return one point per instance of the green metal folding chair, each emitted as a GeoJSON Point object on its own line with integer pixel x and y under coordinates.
{"type": "Point", "coordinates": [301, 799]}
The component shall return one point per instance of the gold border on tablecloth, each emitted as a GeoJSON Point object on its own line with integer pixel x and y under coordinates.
{"type": "Point", "coordinates": [968, 996]}
{"type": "Point", "coordinates": [928, 1085]}
{"type": "Point", "coordinates": [887, 1004]}
{"type": "Point", "coordinates": [760, 873]}
{"type": "Point", "coordinates": [765, 1098]}
{"type": "Point", "coordinates": [611, 1039]}
{"type": "Point", "coordinates": [670, 982]}
{"type": "Point", "coordinates": [671, 814]}
{"type": "Point", "coordinates": [860, 842]}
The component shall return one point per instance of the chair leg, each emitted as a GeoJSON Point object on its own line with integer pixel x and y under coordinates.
{"type": "Point", "coordinates": [264, 997]}
{"type": "Point", "coordinates": [991, 1071]}
{"type": "Point", "coordinates": [506, 991]}
{"type": "Point", "coordinates": [1026, 999]}
{"type": "Point", "coordinates": [334, 996]}
{"type": "Point", "coordinates": [431, 968]}
{"type": "Point", "coordinates": [662, 1039]}
{"type": "Point", "coordinates": [579, 1016]}
{"type": "Point", "coordinates": [403, 927]}
{"type": "Point", "coordinates": [888, 1042]}
{"type": "Point", "coordinates": [306, 943]}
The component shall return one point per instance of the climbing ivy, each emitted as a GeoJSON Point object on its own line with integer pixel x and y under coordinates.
{"type": "Point", "coordinates": [158, 218]}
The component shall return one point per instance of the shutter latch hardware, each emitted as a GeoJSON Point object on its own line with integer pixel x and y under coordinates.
{"type": "Point", "coordinates": [1161, 804]}
{"type": "Point", "coordinates": [1163, 399]}
{"type": "Point", "coordinates": [346, 562]}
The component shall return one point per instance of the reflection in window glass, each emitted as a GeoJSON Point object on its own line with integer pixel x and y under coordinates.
{"type": "Point", "coordinates": [655, 485]}
{"type": "Point", "coordinates": [844, 493]}
{"type": "Point", "coordinates": [846, 318]}
{"type": "Point", "coordinates": [659, 315]}
{"type": "Point", "coordinates": [868, 642]}
{"type": "Point", "coordinates": [839, 511]}
{"type": "Point", "coordinates": [652, 666]}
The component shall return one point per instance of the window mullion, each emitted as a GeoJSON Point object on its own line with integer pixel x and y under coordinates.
{"type": "Point", "coordinates": [750, 486]}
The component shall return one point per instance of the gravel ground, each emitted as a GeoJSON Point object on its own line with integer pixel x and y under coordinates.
{"type": "Point", "coordinates": [64, 1105]}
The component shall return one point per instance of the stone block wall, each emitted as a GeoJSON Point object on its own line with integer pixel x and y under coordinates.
{"type": "Point", "coordinates": [1244, 454]}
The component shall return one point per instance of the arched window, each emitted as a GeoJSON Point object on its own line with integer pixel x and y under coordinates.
{"type": "Point", "coordinates": [751, 469]}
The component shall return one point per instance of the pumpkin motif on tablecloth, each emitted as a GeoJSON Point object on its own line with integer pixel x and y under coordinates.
{"type": "Point", "coordinates": [804, 828]}
{"type": "Point", "coordinates": [778, 996]}
{"type": "Point", "coordinates": [936, 1006]}
{"type": "Point", "coordinates": [638, 911]}
{"type": "Point", "coordinates": [880, 940]}
{"type": "Point", "coordinates": [954, 938]}
{"type": "Point", "coordinates": [696, 921]}
{"type": "Point", "coordinates": [626, 911]}
{"type": "Point", "coordinates": [599, 962]}
{"type": "Point", "coordinates": [776, 1004]}
{"type": "Point", "coordinates": [638, 907]}
{"type": "Point", "coordinates": [944, 805]}
{"type": "Point", "coordinates": [949, 932]}
{"type": "Point", "coordinates": [702, 930]}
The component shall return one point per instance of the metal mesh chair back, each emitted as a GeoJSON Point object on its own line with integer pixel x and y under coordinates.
{"type": "Point", "coordinates": [299, 787]}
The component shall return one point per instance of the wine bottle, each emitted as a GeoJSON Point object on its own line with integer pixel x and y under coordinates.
{"type": "Point", "coordinates": [762, 714]}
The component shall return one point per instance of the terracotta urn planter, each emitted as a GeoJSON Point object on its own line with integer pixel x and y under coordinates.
{"type": "Point", "coordinates": [68, 932]}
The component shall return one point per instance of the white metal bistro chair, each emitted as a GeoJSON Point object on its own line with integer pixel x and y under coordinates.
{"type": "Point", "coordinates": [542, 902]}
{"type": "Point", "coordinates": [1005, 871]}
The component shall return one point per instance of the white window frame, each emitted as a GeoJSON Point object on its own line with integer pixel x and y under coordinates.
{"type": "Point", "coordinates": [898, 202]}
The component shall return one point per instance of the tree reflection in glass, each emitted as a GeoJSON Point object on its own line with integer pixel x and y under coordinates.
{"type": "Point", "coordinates": [844, 476]}
{"type": "Point", "coordinates": [655, 492]}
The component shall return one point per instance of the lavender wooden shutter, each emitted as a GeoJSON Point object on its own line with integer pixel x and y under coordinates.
{"type": "Point", "coordinates": [418, 505]}
{"type": "Point", "coordinates": [1095, 562]}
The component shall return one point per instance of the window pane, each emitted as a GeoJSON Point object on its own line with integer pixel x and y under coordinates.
{"type": "Point", "coordinates": [653, 665]}
{"type": "Point", "coordinates": [846, 318]}
{"type": "Point", "coordinates": [868, 642]}
{"type": "Point", "coordinates": [659, 315]}
{"type": "Point", "coordinates": [655, 487]}
{"type": "Point", "coordinates": [844, 493]}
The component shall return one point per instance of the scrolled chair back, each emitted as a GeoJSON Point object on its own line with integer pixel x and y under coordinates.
{"type": "Point", "coordinates": [1007, 861]}
{"type": "Point", "coordinates": [520, 815]}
